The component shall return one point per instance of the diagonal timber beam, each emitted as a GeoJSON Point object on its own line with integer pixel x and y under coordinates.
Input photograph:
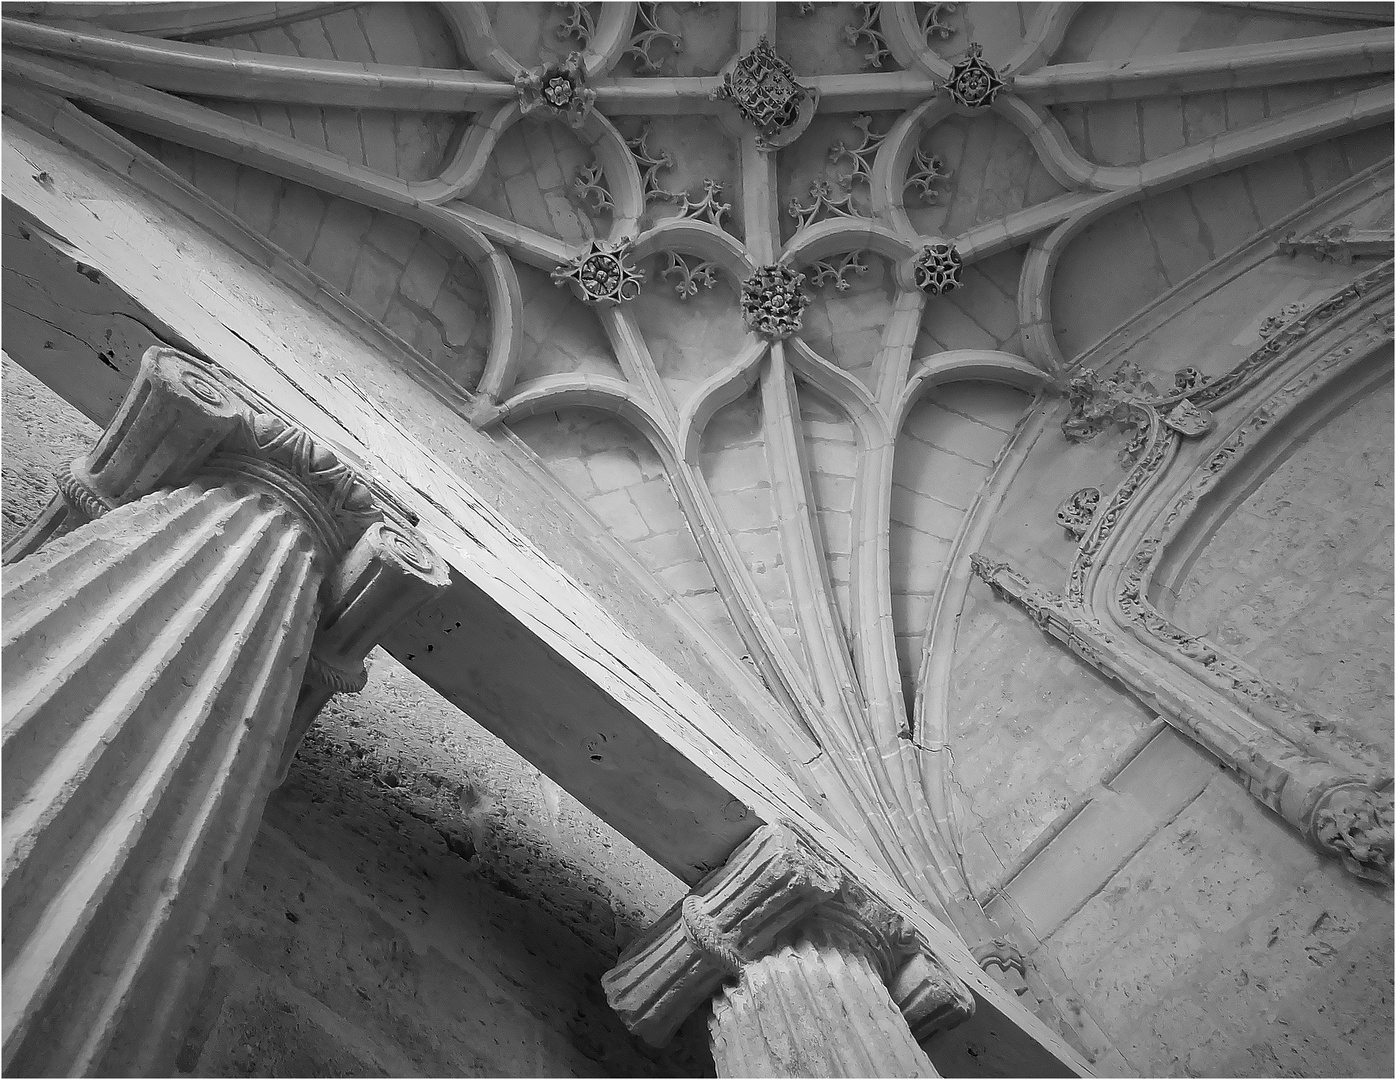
{"type": "Point", "coordinates": [642, 733]}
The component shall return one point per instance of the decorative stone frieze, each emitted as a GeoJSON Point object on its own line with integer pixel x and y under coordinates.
{"type": "Point", "coordinates": [780, 932]}
{"type": "Point", "coordinates": [561, 89]}
{"type": "Point", "coordinates": [938, 268]}
{"type": "Point", "coordinates": [154, 657]}
{"type": "Point", "coordinates": [973, 84]}
{"type": "Point", "coordinates": [773, 301]}
{"type": "Point", "coordinates": [1075, 511]}
{"type": "Point", "coordinates": [762, 86]}
{"type": "Point", "coordinates": [603, 274]}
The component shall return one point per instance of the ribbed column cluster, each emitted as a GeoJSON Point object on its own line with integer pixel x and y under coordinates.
{"type": "Point", "coordinates": [812, 1008]}
{"type": "Point", "coordinates": [153, 660]}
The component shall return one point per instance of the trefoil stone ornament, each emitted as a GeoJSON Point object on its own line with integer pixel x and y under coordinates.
{"type": "Point", "coordinates": [559, 88]}
{"type": "Point", "coordinates": [773, 302]}
{"type": "Point", "coordinates": [603, 274]}
{"type": "Point", "coordinates": [973, 84]}
{"type": "Point", "coordinates": [937, 269]}
{"type": "Point", "coordinates": [762, 86]}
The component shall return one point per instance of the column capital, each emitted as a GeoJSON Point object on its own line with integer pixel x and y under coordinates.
{"type": "Point", "coordinates": [778, 884]}
{"type": "Point", "coordinates": [183, 418]}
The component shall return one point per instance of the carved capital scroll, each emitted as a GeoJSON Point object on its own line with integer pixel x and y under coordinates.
{"type": "Point", "coordinates": [776, 887]}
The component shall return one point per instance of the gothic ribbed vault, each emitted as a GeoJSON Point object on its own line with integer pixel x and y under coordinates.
{"type": "Point", "coordinates": [785, 296]}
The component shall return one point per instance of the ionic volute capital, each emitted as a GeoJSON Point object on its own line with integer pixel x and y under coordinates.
{"type": "Point", "coordinates": [776, 887]}
{"type": "Point", "coordinates": [182, 420]}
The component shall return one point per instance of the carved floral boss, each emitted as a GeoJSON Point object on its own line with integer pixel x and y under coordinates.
{"type": "Point", "coordinates": [603, 274]}
{"type": "Point", "coordinates": [973, 84]}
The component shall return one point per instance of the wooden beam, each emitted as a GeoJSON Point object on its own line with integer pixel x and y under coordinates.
{"type": "Point", "coordinates": [520, 640]}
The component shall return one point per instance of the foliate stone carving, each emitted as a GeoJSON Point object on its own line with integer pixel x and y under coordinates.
{"type": "Point", "coordinates": [860, 156]}
{"type": "Point", "coordinates": [156, 656]}
{"type": "Point", "coordinates": [689, 277]}
{"type": "Point", "coordinates": [603, 274]}
{"type": "Point", "coordinates": [823, 203]}
{"type": "Point", "coordinates": [1273, 324]}
{"type": "Point", "coordinates": [867, 29]}
{"type": "Point", "coordinates": [825, 272]}
{"type": "Point", "coordinates": [576, 23]}
{"type": "Point", "coordinates": [649, 33]}
{"type": "Point", "coordinates": [1355, 821]}
{"type": "Point", "coordinates": [973, 84]}
{"type": "Point", "coordinates": [649, 165]}
{"type": "Point", "coordinates": [938, 268]}
{"type": "Point", "coordinates": [926, 171]}
{"type": "Point", "coordinates": [559, 88]}
{"type": "Point", "coordinates": [931, 24]}
{"type": "Point", "coordinates": [1076, 510]}
{"type": "Point", "coordinates": [762, 86]}
{"type": "Point", "coordinates": [754, 930]}
{"type": "Point", "coordinates": [1097, 404]}
{"type": "Point", "coordinates": [1188, 380]}
{"type": "Point", "coordinates": [589, 188]}
{"type": "Point", "coordinates": [773, 301]}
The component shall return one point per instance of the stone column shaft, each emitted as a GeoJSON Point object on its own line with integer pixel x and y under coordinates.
{"type": "Point", "coordinates": [159, 626]}
{"type": "Point", "coordinates": [152, 659]}
{"type": "Point", "coordinates": [812, 1008]}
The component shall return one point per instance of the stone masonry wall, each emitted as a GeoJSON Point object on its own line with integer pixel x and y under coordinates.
{"type": "Point", "coordinates": [419, 900]}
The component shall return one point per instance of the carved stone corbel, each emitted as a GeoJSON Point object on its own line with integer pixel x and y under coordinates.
{"type": "Point", "coordinates": [158, 631]}
{"type": "Point", "coordinates": [779, 931]}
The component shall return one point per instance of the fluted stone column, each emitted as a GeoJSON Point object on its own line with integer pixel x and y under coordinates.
{"type": "Point", "coordinates": [807, 975]}
{"type": "Point", "coordinates": [199, 565]}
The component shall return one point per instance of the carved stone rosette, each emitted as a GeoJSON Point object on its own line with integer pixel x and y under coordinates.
{"type": "Point", "coordinates": [973, 84]}
{"type": "Point", "coordinates": [603, 274]}
{"type": "Point", "coordinates": [561, 89]}
{"type": "Point", "coordinates": [937, 269]}
{"type": "Point", "coordinates": [776, 935]}
{"type": "Point", "coordinates": [773, 302]}
{"type": "Point", "coordinates": [162, 620]}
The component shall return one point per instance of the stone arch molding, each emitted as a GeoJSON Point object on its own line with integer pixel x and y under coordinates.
{"type": "Point", "coordinates": [1312, 769]}
{"type": "Point", "coordinates": [845, 687]}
